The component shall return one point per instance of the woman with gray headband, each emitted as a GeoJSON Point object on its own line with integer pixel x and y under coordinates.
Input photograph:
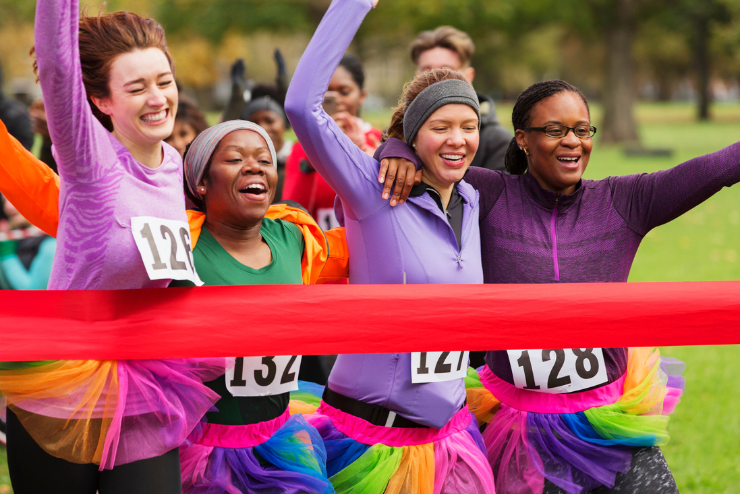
{"type": "Point", "coordinates": [252, 443]}
{"type": "Point", "coordinates": [398, 421]}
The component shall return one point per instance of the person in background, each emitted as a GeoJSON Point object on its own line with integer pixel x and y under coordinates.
{"type": "Point", "coordinates": [14, 115]}
{"type": "Point", "coordinates": [243, 89]}
{"type": "Point", "coordinates": [451, 48]}
{"type": "Point", "coordinates": [40, 127]}
{"type": "Point", "coordinates": [266, 112]}
{"type": "Point", "coordinates": [25, 263]}
{"type": "Point", "coordinates": [343, 103]}
{"type": "Point", "coordinates": [189, 122]}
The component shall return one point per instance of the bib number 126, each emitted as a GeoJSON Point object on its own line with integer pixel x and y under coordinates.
{"type": "Point", "coordinates": [165, 248]}
{"type": "Point", "coordinates": [558, 370]}
{"type": "Point", "coordinates": [434, 367]}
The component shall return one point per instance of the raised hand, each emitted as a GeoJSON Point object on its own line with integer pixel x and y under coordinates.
{"type": "Point", "coordinates": [238, 72]}
{"type": "Point", "coordinates": [280, 62]}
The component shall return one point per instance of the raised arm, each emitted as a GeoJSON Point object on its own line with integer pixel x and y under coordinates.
{"type": "Point", "coordinates": [348, 170]}
{"type": "Point", "coordinates": [29, 184]}
{"type": "Point", "coordinates": [83, 149]}
{"type": "Point", "coordinates": [652, 199]}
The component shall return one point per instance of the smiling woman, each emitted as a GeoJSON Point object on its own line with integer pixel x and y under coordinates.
{"type": "Point", "coordinates": [583, 419]}
{"type": "Point", "coordinates": [110, 100]}
{"type": "Point", "coordinates": [385, 420]}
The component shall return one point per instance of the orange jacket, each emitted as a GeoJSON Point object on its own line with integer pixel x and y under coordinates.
{"type": "Point", "coordinates": [33, 188]}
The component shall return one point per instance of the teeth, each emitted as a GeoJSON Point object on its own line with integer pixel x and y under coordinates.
{"type": "Point", "coordinates": [254, 189]}
{"type": "Point", "coordinates": [568, 159]}
{"type": "Point", "coordinates": [154, 117]}
{"type": "Point", "coordinates": [452, 157]}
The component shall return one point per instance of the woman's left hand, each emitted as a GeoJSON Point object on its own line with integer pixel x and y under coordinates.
{"type": "Point", "coordinates": [403, 173]}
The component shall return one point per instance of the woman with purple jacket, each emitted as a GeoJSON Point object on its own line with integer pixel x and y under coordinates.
{"type": "Point", "coordinates": [397, 420]}
{"type": "Point", "coordinates": [575, 420]}
{"type": "Point", "coordinates": [113, 426]}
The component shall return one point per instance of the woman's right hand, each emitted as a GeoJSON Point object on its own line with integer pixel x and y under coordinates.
{"type": "Point", "coordinates": [403, 173]}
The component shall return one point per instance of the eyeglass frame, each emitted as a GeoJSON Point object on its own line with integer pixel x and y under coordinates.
{"type": "Point", "coordinates": [567, 130]}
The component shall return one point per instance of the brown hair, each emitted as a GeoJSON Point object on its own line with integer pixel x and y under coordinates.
{"type": "Point", "coordinates": [444, 37]}
{"type": "Point", "coordinates": [104, 37]}
{"type": "Point", "coordinates": [189, 114]}
{"type": "Point", "coordinates": [410, 91]}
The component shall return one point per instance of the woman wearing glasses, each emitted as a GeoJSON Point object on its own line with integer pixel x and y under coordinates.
{"type": "Point", "coordinates": [575, 420]}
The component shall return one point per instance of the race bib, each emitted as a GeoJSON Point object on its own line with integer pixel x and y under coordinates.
{"type": "Point", "coordinates": [263, 376]}
{"type": "Point", "coordinates": [558, 371]}
{"type": "Point", "coordinates": [326, 218]}
{"type": "Point", "coordinates": [435, 367]}
{"type": "Point", "coordinates": [164, 246]}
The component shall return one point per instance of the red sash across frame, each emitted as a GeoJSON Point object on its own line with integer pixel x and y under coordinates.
{"type": "Point", "coordinates": [297, 319]}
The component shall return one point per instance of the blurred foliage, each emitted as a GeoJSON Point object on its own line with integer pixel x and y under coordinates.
{"type": "Point", "coordinates": [518, 42]}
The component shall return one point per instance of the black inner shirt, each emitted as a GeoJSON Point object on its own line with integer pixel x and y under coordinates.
{"type": "Point", "coordinates": [454, 211]}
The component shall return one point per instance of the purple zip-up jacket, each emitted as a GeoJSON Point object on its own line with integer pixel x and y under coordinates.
{"type": "Point", "coordinates": [102, 185]}
{"type": "Point", "coordinates": [412, 241]}
{"type": "Point", "coordinates": [533, 235]}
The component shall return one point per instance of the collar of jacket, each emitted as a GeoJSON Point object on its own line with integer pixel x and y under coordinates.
{"type": "Point", "coordinates": [465, 190]}
{"type": "Point", "coordinates": [547, 198]}
{"type": "Point", "coordinates": [316, 251]}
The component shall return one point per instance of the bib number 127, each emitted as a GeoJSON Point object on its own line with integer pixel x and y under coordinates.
{"type": "Point", "coordinates": [165, 248]}
{"type": "Point", "coordinates": [434, 367]}
{"type": "Point", "coordinates": [558, 370]}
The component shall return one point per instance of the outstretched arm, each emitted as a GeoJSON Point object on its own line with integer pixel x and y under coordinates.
{"type": "Point", "coordinates": [653, 199]}
{"type": "Point", "coordinates": [348, 170]}
{"type": "Point", "coordinates": [29, 184]}
{"type": "Point", "coordinates": [83, 148]}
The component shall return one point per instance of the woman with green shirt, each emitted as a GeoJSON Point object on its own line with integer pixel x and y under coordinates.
{"type": "Point", "coordinates": [252, 443]}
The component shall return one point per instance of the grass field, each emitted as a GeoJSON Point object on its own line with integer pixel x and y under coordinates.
{"type": "Point", "coordinates": [704, 452]}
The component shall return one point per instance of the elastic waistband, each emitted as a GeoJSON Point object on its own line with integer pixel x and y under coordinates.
{"type": "Point", "coordinates": [375, 414]}
{"type": "Point", "coordinates": [532, 401]}
{"type": "Point", "coordinates": [237, 436]}
{"type": "Point", "coordinates": [364, 432]}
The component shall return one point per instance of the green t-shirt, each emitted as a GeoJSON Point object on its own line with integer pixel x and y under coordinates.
{"type": "Point", "coordinates": [216, 267]}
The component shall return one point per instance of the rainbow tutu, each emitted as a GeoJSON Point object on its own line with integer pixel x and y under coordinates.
{"type": "Point", "coordinates": [578, 441]}
{"type": "Point", "coordinates": [283, 455]}
{"type": "Point", "coordinates": [109, 412]}
{"type": "Point", "coordinates": [366, 458]}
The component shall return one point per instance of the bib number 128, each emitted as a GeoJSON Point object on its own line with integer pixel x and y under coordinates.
{"type": "Point", "coordinates": [558, 370]}
{"type": "Point", "coordinates": [165, 248]}
{"type": "Point", "coordinates": [433, 367]}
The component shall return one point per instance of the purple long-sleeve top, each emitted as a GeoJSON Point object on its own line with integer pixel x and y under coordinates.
{"type": "Point", "coordinates": [102, 185]}
{"type": "Point", "coordinates": [533, 235]}
{"type": "Point", "coordinates": [411, 243]}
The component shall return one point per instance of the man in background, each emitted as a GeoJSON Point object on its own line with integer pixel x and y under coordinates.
{"type": "Point", "coordinates": [447, 47]}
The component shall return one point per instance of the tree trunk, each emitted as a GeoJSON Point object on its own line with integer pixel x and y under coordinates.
{"type": "Point", "coordinates": [619, 125]}
{"type": "Point", "coordinates": [703, 67]}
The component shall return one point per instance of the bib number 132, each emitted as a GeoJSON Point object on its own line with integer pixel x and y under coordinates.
{"type": "Point", "coordinates": [434, 367]}
{"type": "Point", "coordinates": [263, 376]}
{"type": "Point", "coordinates": [558, 371]}
{"type": "Point", "coordinates": [164, 246]}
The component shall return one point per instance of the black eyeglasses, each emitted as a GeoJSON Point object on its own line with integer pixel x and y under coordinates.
{"type": "Point", "coordinates": [560, 131]}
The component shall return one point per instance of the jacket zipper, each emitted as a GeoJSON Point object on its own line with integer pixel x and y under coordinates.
{"type": "Point", "coordinates": [555, 240]}
{"type": "Point", "coordinates": [458, 253]}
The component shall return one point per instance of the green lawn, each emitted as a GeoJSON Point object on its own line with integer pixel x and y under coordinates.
{"type": "Point", "coordinates": [704, 452]}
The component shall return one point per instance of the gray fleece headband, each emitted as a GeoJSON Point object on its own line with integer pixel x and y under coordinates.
{"type": "Point", "coordinates": [432, 99]}
{"type": "Point", "coordinates": [263, 103]}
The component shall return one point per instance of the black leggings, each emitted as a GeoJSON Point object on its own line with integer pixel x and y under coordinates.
{"type": "Point", "coordinates": [649, 473]}
{"type": "Point", "coordinates": [33, 471]}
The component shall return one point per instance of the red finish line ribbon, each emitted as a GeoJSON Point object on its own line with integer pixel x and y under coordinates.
{"type": "Point", "coordinates": [329, 319]}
